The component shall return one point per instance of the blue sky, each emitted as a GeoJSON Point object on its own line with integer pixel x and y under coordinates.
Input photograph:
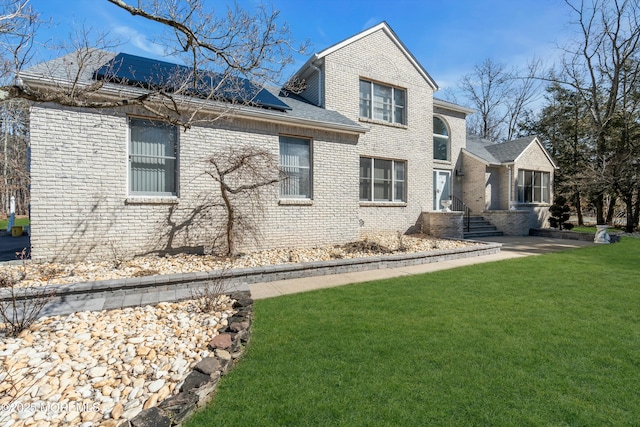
{"type": "Point", "coordinates": [448, 37]}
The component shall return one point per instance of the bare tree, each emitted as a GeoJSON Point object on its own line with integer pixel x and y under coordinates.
{"type": "Point", "coordinates": [14, 134]}
{"type": "Point", "coordinates": [18, 23]}
{"type": "Point", "coordinates": [241, 173]}
{"type": "Point", "coordinates": [487, 88]}
{"type": "Point", "coordinates": [227, 59]}
{"type": "Point", "coordinates": [501, 97]}
{"type": "Point", "coordinates": [594, 66]}
{"type": "Point", "coordinates": [524, 90]}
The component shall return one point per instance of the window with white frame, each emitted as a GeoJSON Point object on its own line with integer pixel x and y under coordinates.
{"type": "Point", "coordinates": [440, 140]}
{"type": "Point", "coordinates": [382, 102]}
{"type": "Point", "coordinates": [295, 161]}
{"type": "Point", "coordinates": [533, 186]}
{"type": "Point", "coordinates": [153, 158]}
{"type": "Point", "coordinates": [382, 180]}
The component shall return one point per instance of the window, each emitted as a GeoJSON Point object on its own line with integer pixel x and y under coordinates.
{"type": "Point", "coordinates": [382, 180]}
{"type": "Point", "coordinates": [153, 158]}
{"type": "Point", "coordinates": [295, 161]}
{"type": "Point", "coordinates": [380, 102]}
{"type": "Point", "coordinates": [440, 140]}
{"type": "Point", "coordinates": [533, 187]}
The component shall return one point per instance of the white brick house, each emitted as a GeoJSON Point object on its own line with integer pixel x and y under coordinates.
{"type": "Point", "coordinates": [352, 77]}
{"type": "Point", "coordinates": [366, 145]}
{"type": "Point", "coordinates": [516, 175]}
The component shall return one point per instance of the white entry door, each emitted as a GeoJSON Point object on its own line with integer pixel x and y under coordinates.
{"type": "Point", "coordinates": [441, 188]}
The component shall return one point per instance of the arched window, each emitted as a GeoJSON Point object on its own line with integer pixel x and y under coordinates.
{"type": "Point", "coordinates": [440, 140]}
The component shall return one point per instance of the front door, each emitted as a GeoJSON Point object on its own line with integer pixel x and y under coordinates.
{"type": "Point", "coordinates": [441, 188]}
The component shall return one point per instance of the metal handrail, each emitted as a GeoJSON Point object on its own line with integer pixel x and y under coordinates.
{"type": "Point", "coordinates": [459, 206]}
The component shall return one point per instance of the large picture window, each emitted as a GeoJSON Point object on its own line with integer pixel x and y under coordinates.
{"type": "Point", "coordinates": [382, 180]}
{"type": "Point", "coordinates": [381, 102]}
{"type": "Point", "coordinates": [295, 161]}
{"type": "Point", "coordinates": [153, 158]}
{"type": "Point", "coordinates": [533, 186]}
{"type": "Point", "coordinates": [440, 140]}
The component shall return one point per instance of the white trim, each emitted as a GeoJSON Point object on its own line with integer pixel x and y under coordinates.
{"type": "Point", "coordinates": [434, 176]}
{"type": "Point", "coordinates": [537, 141]}
{"type": "Point", "coordinates": [451, 106]}
{"type": "Point", "coordinates": [390, 33]}
{"type": "Point", "coordinates": [439, 135]}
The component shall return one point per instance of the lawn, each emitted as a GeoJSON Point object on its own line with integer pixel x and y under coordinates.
{"type": "Point", "coordinates": [18, 221]}
{"type": "Point", "coordinates": [546, 340]}
{"type": "Point", "coordinates": [584, 229]}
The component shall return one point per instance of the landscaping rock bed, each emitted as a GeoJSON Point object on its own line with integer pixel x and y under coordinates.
{"type": "Point", "coordinates": [31, 274]}
{"type": "Point", "coordinates": [149, 365]}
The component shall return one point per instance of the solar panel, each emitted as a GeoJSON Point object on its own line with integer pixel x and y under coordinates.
{"type": "Point", "coordinates": [153, 74]}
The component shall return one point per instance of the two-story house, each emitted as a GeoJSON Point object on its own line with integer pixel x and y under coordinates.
{"type": "Point", "coordinates": [365, 146]}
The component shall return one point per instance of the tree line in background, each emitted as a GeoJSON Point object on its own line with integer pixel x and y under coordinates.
{"type": "Point", "coordinates": [588, 121]}
{"type": "Point", "coordinates": [590, 115]}
{"type": "Point", "coordinates": [14, 119]}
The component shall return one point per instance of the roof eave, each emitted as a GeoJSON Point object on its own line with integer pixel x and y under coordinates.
{"type": "Point", "coordinates": [308, 67]}
{"type": "Point", "coordinates": [451, 106]}
{"type": "Point", "coordinates": [477, 157]}
{"type": "Point", "coordinates": [111, 90]}
{"type": "Point", "coordinates": [272, 117]}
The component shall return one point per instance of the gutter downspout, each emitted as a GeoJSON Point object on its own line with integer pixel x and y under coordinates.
{"type": "Point", "coordinates": [512, 205]}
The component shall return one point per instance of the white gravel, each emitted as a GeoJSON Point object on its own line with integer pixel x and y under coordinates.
{"type": "Point", "coordinates": [32, 274]}
{"type": "Point", "coordinates": [98, 368]}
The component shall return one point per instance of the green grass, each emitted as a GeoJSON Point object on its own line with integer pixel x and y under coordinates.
{"type": "Point", "coordinates": [583, 229]}
{"type": "Point", "coordinates": [18, 221]}
{"type": "Point", "coordinates": [546, 340]}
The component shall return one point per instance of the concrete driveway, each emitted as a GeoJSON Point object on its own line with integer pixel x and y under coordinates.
{"type": "Point", "coordinates": [533, 245]}
{"type": "Point", "coordinates": [9, 245]}
{"type": "Point", "coordinates": [512, 247]}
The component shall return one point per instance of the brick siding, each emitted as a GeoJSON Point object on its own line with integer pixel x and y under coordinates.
{"type": "Point", "coordinates": [81, 209]}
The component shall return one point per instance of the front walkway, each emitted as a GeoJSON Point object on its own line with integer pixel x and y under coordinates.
{"type": "Point", "coordinates": [109, 294]}
{"type": "Point", "coordinates": [512, 247]}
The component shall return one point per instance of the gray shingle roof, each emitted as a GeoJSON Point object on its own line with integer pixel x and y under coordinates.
{"type": "Point", "coordinates": [65, 68]}
{"type": "Point", "coordinates": [507, 152]}
{"type": "Point", "coordinates": [478, 147]}
{"type": "Point", "coordinates": [303, 109]}
{"type": "Point", "coordinates": [495, 154]}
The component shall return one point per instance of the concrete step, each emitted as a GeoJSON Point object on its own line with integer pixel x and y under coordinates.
{"type": "Point", "coordinates": [484, 227]}
{"type": "Point", "coordinates": [480, 228]}
{"type": "Point", "coordinates": [481, 234]}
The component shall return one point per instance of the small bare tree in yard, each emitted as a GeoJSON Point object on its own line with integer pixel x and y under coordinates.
{"type": "Point", "coordinates": [18, 307]}
{"type": "Point", "coordinates": [241, 173]}
{"type": "Point", "coordinates": [211, 296]}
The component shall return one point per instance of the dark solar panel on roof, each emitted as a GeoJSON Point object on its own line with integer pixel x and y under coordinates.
{"type": "Point", "coordinates": [150, 73]}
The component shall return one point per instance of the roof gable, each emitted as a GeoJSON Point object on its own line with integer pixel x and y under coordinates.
{"type": "Point", "coordinates": [383, 26]}
{"type": "Point", "coordinates": [505, 152]}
